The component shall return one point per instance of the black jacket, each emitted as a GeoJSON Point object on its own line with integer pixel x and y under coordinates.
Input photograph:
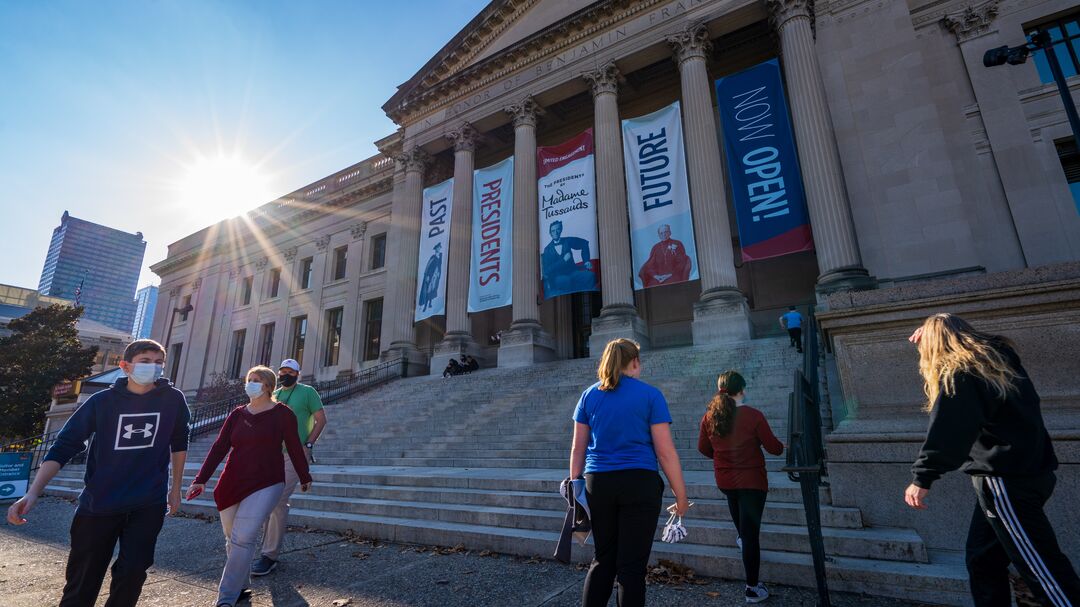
{"type": "Point", "coordinates": [980, 433]}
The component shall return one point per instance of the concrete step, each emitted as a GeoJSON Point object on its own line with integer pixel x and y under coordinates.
{"type": "Point", "coordinates": [942, 580]}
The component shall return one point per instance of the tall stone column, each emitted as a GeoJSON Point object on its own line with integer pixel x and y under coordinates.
{"type": "Point", "coordinates": [721, 314]}
{"type": "Point", "coordinates": [403, 248]}
{"type": "Point", "coordinates": [839, 260]}
{"type": "Point", "coordinates": [526, 342]}
{"type": "Point", "coordinates": [619, 317]}
{"type": "Point", "coordinates": [458, 339]}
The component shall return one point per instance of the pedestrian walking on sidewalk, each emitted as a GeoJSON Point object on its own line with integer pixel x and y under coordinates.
{"type": "Point", "coordinates": [732, 435]}
{"type": "Point", "coordinates": [985, 420]}
{"type": "Point", "coordinates": [792, 322]}
{"type": "Point", "coordinates": [254, 476]}
{"type": "Point", "coordinates": [305, 403]}
{"type": "Point", "coordinates": [622, 427]}
{"type": "Point", "coordinates": [137, 429]}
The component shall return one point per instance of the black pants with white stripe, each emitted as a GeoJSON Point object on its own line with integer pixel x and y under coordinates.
{"type": "Point", "coordinates": [1009, 525]}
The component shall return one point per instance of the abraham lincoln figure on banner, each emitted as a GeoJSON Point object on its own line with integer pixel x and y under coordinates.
{"type": "Point", "coordinates": [561, 273]}
{"type": "Point", "coordinates": [668, 262]}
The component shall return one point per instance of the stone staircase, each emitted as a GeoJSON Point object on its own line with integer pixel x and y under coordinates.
{"type": "Point", "coordinates": [476, 460]}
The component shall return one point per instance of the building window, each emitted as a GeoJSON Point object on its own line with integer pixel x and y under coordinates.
{"type": "Point", "coordinates": [299, 335]}
{"type": "Point", "coordinates": [267, 347]}
{"type": "Point", "coordinates": [378, 251]}
{"type": "Point", "coordinates": [372, 328]}
{"type": "Point", "coordinates": [184, 303]}
{"type": "Point", "coordinates": [340, 258]}
{"type": "Point", "coordinates": [1070, 163]}
{"type": "Point", "coordinates": [1065, 34]}
{"type": "Point", "coordinates": [275, 283]}
{"type": "Point", "coordinates": [174, 373]}
{"type": "Point", "coordinates": [333, 336]}
{"type": "Point", "coordinates": [305, 274]}
{"type": "Point", "coordinates": [245, 291]}
{"type": "Point", "coordinates": [236, 363]}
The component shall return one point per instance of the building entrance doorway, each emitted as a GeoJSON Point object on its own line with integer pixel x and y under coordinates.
{"type": "Point", "coordinates": [584, 307]}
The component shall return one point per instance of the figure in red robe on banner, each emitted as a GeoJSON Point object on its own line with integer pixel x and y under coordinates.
{"type": "Point", "coordinates": [668, 262]}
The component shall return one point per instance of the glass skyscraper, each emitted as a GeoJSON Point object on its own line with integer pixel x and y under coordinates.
{"type": "Point", "coordinates": [145, 302]}
{"type": "Point", "coordinates": [97, 265]}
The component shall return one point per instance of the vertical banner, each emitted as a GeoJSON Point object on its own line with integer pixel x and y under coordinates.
{"type": "Point", "coordinates": [569, 246]}
{"type": "Point", "coordinates": [491, 283]}
{"type": "Point", "coordinates": [14, 474]}
{"type": "Point", "coordinates": [661, 226]}
{"type": "Point", "coordinates": [763, 163]}
{"type": "Point", "coordinates": [434, 250]}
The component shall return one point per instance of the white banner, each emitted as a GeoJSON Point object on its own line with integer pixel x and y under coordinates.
{"type": "Point", "coordinates": [569, 247]}
{"type": "Point", "coordinates": [661, 226]}
{"type": "Point", "coordinates": [491, 282]}
{"type": "Point", "coordinates": [434, 250]}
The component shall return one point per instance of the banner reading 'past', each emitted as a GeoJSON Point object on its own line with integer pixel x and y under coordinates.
{"type": "Point", "coordinates": [434, 250]}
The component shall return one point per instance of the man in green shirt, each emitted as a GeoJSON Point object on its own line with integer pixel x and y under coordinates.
{"type": "Point", "coordinates": [306, 404]}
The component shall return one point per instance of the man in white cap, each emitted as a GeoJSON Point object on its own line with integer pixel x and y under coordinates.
{"type": "Point", "coordinates": [306, 404]}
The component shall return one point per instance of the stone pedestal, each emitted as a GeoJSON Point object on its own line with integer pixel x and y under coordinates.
{"type": "Point", "coordinates": [615, 322]}
{"type": "Point", "coordinates": [525, 344]}
{"type": "Point", "coordinates": [453, 346]}
{"type": "Point", "coordinates": [722, 317]}
{"type": "Point", "coordinates": [416, 361]}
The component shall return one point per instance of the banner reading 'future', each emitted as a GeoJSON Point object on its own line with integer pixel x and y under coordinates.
{"type": "Point", "coordinates": [661, 226]}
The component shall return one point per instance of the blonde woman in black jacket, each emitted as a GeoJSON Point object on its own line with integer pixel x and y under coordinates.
{"type": "Point", "coordinates": [985, 420]}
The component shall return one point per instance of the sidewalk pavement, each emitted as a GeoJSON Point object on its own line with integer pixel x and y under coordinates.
{"type": "Point", "coordinates": [320, 569]}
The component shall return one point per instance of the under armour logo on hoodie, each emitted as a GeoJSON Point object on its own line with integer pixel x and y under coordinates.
{"type": "Point", "coordinates": [136, 430]}
{"type": "Point", "coordinates": [130, 430]}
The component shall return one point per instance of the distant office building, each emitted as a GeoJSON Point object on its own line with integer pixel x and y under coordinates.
{"type": "Point", "coordinates": [96, 265]}
{"type": "Point", "coordinates": [145, 302]}
{"type": "Point", "coordinates": [16, 302]}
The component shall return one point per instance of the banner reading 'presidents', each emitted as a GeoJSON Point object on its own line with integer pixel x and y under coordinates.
{"type": "Point", "coordinates": [569, 247]}
{"type": "Point", "coordinates": [763, 163]}
{"type": "Point", "coordinates": [661, 226]}
{"type": "Point", "coordinates": [434, 250]}
{"type": "Point", "coordinates": [491, 275]}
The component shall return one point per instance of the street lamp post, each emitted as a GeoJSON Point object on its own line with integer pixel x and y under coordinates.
{"type": "Point", "coordinates": [1017, 55]}
{"type": "Point", "coordinates": [172, 317]}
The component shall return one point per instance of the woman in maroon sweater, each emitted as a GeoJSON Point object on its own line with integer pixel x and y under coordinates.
{"type": "Point", "coordinates": [732, 435]}
{"type": "Point", "coordinates": [254, 475]}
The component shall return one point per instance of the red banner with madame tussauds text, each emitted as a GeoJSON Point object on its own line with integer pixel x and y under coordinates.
{"type": "Point", "coordinates": [569, 245]}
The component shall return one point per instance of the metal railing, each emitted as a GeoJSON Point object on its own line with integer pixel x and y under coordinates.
{"type": "Point", "coordinates": [207, 418]}
{"type": "Point", "coordinates": [806, 452]}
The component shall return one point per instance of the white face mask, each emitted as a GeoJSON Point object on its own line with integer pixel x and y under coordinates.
{"type": "Point", "coordinates": [253, 389]}
{"type": "Point", "coordinates": [146, 373]}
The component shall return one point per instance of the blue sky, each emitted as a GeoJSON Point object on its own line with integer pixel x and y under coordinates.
{"type": "Point", "coordinates": [108, 105]}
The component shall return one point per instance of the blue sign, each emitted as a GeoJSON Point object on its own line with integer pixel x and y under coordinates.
{"type": "Point", "coordinates": [14, 474]}
{"type": "Point", "coordinates": [763, 163]}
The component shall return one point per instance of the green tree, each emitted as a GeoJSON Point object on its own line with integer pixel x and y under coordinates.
{"type": "Point", "coordinates": [42, 351]}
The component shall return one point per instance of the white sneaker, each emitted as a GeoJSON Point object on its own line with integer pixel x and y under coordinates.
{"type": "Point", "coordinates": [756, 594]}
{"type": "Point", "coordinates": [738, 542]}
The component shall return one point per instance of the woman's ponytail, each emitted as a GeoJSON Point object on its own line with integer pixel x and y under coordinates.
{"type": "Point", "coordinates": [721, 411]}
{"type": "Point", "coordinates": [618, 354]}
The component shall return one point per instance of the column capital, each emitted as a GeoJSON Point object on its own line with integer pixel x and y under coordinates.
{"type": "Point", "coordinates": [357, 230]}
{"type": "Point", "coordinates": [604, 80]}
{"type": "Point", "coordinates": [973, 20]}
{"type": "Point", "coordinates": [415, 159]}
{"type": "Point", "coordinates": [691, 43]}
{"type": "Point", "coordinates": [322, 243]}
{"type": "Point", "coordinates": [289, 254]}
{"type": "Point", "coordinates": [524, 113]}
{"type": "Point", "coordinates": [260, 265]}
{"type": "Point", "coordinates": [783, 11]}
{"type": "Point", "coordinates": [464, 138]}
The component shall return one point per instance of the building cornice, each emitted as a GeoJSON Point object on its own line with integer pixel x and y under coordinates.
{"type": "Point", "coordinates": [410, 105]}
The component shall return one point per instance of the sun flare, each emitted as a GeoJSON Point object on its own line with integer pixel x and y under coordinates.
{"type": "Point", "coordinates": [223, 186]}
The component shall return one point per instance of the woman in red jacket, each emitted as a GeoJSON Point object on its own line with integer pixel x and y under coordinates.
{"type": "Point", "coordinates": [732, 435]}
{"type": "Point", "coordinates": [254, 475]}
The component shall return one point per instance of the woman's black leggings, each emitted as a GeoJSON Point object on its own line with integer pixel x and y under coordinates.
{"type": "Point", "coordinates": [747, 506]}
{"type": "Point", "coordinates": [625, 508]}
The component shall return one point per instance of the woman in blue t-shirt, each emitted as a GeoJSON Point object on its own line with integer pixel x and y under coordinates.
{"type": "Point", "coordinates": [621, 430]}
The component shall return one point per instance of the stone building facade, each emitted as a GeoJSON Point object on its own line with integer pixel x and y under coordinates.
{"type": "Point", "coordinates": [921, 167]}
